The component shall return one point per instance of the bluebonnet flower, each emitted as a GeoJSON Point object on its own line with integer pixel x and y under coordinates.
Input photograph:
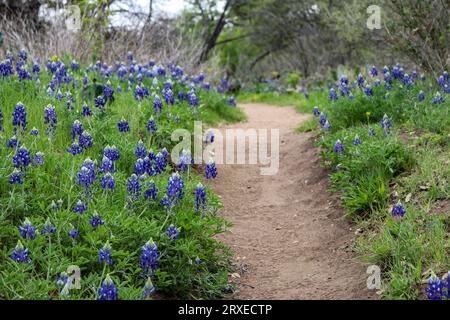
{"type": "Point", "coordinates": [149, 288]}
{"type": "Point", "coordinates": [169, 97]}
{"type": "Point", "coordinates": [151, 126]}
{"type": "Point", "coordinates": [73, 233]}
{"type": "Point", "coordinates": [209, 137]}
{"type": "Point", "coordinates": [134, 187]}
{"type": "Point", "coordinates": [140, 151]}
{"type": "Point", "coordinates": [175, 187]}
{"type": "Point", "coordinates": [231, 101]}
{"type": "Point", "coordinates": [373, 71]}
{"type": "Point", "coordinates": [149, 257]}
{"type": "Point", "coordinates": [371, 132]}
{"type": "Point", "coordinates": [327, 125]}
{"type": "Point", "coordinates": [398, 210]}
{"type": "Point", "coordinates": [100, 102]}
{"type": "Point", "coordinates": [108, 92]}
{"type": "Point", "coordinates": [74, 65]}
{"type": "Point", "coordinates": [200, 197]}
{"type": "Point", "coordinates": [368, 91]}
{"type": "Point", "coordinates": [86, 175]}
{"type": "Point", "coordinates": [75, 148]}
{"type": "Point", "coordinates": [80, 207]}
{"type": "Point", "coordinates": [441, 81]}
{"type": "Point", "coordinates": [338, 147]}
{"type": "Point", "coordinates": [20, 254]}
{"type": "Point", "coordinates": [139, 167]}
{"type": "Point", "coordinates": [77, 129]}
{"type": "Point", "coordinates": [34, 131]}
{"type": "Point", "coordinates": [96, 220]}
{"type": "Point", "coordinates": [184, 161]}
{"type": "Point", "coordinates": [13, 142]}
{"type": "Point", "coordinates": [23, 73]}
{"type": "Point", "coordinates": [421, 96]}
{"type": "Point", "coordinates": [19, 117]}
{"type": "Point", "coordinates": [157, 104]}
{"type": "Point", "coordinates": [343, 79]}
{"type": "Point", "coordinates": [344, 89]}
{"type": "Point", "coordinates": [180, 95]}
{"type": "Point", "coordinates": [112, 153]}
{"type": "Point", "coordinates": [27, 230]}
{"type": "Point", "coordinates": [107, 165]}
{"type": "Point", "coordinates": [210, 170]}
{"type": "Point", "coordinates": [85, 140]}
{"type": "Point", "coordinates": [50, 119]}
{"type": "Point", "coordinates": [322, 119]}
{"type": "Point", "coordinates": [193, 101]}
{"type": "Point", "coordinates": [105, 254]}
{"type": "Point", "coordinates": [16, 177]}
{"type": "Point", "coordinates": [123, 125]}
{"type": "Point", "coordinates": [48, 228]}
{"type": "Point", "coordinates": [356, 141]}
{"type": "Point", "coordinates": [386, 124]}
{"type": "Point", "coordinates": [438, 98]}
{"type": "Point", "coordinates": [147, 166]}
{"type": "Point", "coordinates": [22, 158]}
{"type": "Point", "coordinates": [332, 95]}
{"type": "Point", "coordinates": [151, 192]}
{"type": "Point", "coordinates": [108, 290]}
{"type": "Point", "coordinates": [160, 163]}
{"type": "Point", "coordinates": [172, 232]}
{"type": "Point", "coordinates": [140, 92]}
{"type": "Point", "coordinates": [108, 181]}
{"type": "Point", "coordinates": [38, 159]}
{"type": "Point", "coordinates": [435, 290]}
{"type": "Point", "coordinates": [130, 56]}
{"type": "Point", "coordinates": [360, 80]}
{"type": "Point", "coordinates": [23, 55]}
{"type": "Point", "coordinates": [316, 111]}
{"type": "Point", "coordinates": [62, 280]}
{"type": "Point", "coordinates": [165, 153]}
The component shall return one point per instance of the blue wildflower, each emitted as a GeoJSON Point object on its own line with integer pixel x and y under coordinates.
{"type": "Point", "coordinates": [73, 233]}
{"type": "Point", "coordinates": [19, 117]}
{"type": "Point", "coordinates": [151, 126]}
{"type": "Point", "coordinates": [184, 161]}
{"type": "Point", "coordinates": [20, 254]}
{"type": "Point", "coordinates": [108, 181]}
{"type": "Point", "coordinates": [112, 153]}
{"type": "Point", "coordinates": [175, 187]}
{"type": "Point", "coordinates": [140, 151]}
{"type": "Point", "coordinates": [151, 192]}
{"type": "Point", "coordinates": [421, 96]}
{"type": "Point", "coordinates": [34, 132]}
{"type": "Point", "coordinates": [105, 254]}
{"type": "Point", "coordinates": [27, 230]}
{"type": "Point", "coordinates": [172, 232]}
{"type": "Point", "coordinates": [332, 95]}
{"type": "Point", "coordinates": [22, 158]}
{"type": "Point", "coordinates": [38, 159]}
{"type": "Point", "coordinates": [96, 220]}
{"type": "Point", "coordinates": [48, 228]}
{"type": "Point", "coordinates": [77, 129]}
{"type": "Point", "coordinates": [108, 290]}
{"type": "Point", "coordinates": [210, 170]}
{"type": "Point", "coordinates": [123, 125]}
{"type": "Point", "coordinates": [80, 207]}
{"type": "Point", "coordinates": [157, 104]}
{"type": "Point", "coordinates": [398, 210]}
{"type": "Point", "coordinates": [338, 147]}
{"type": "Point", "coordinates": [16, 177]}
{"type": "Point", "coordinates": [200, 197]}
{"type": "Point", "coordinates": [316, 111]}
{"type": "Point", "coordinates": [386, 124]}
{"type": "Point", "coordinates": [357, 141]}
{"type": "Point", "coordinates": [438, 98]}
{"type": "Point", "coordinates": [134, 187]}
{"type": "Point", "coordinates": [149, 257]}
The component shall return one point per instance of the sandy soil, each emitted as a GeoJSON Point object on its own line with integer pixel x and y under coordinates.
{"type": "Point", "coordinates": [289, 236]}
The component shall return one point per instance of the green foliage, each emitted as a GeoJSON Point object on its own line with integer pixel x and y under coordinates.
{"type": "Point", "coordinates": [363, 172]}
{"type": "Point", "coordinates": [193, 266]}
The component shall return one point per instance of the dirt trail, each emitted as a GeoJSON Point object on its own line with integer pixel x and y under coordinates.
{"type": "Point", "coordinates": [289, 237]}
